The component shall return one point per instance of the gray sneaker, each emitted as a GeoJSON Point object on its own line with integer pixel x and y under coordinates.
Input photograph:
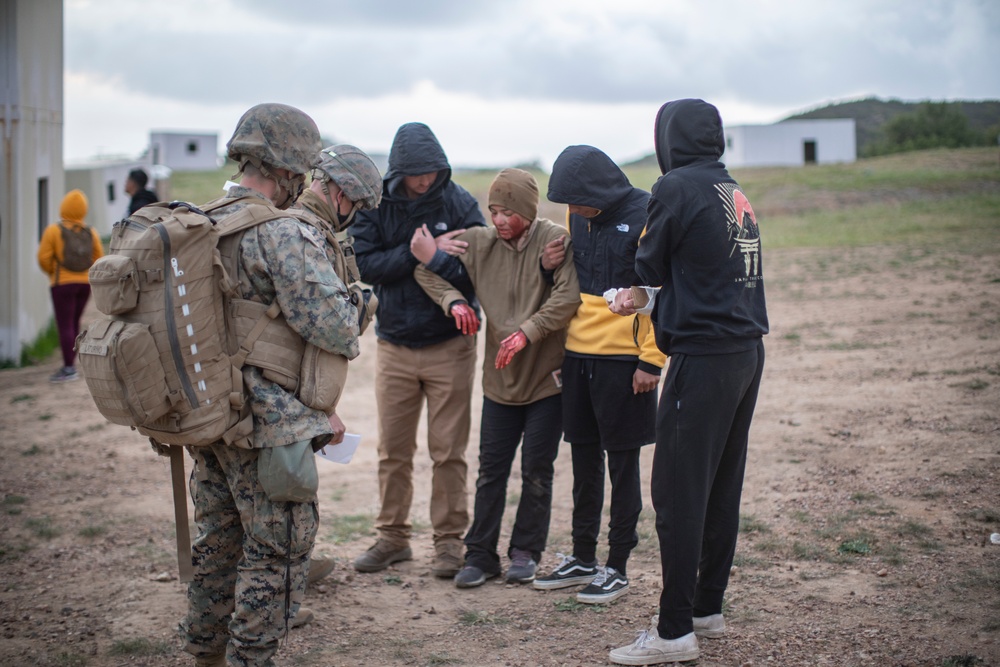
{"type": "Point", "coordinates": [471, 576]}
{"type": "Point", "coordinates": [64, 374]}
{"type": "Point", "coordinates": [522, 567]}
{"type": "Point", "coordinates": [381, 555]}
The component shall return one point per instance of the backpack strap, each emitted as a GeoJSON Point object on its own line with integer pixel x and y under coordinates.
{"type": "Point", "coordinates": [184, 566]}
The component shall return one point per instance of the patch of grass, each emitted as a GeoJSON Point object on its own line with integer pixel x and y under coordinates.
{"type": "Point", "coordinates": [966, 660]}
{"type": "Point", "coordinates": [20, 398]}
{"type": "Point", "coordinates": [46, 416]}
{"type": "Point", "coordinates": [863, 497]}
{"type": "Point", "coordinates": [140, 647]}
{"type": "Point", "coordinates": [792, 337]}
{"type": "Point", "coordinates": [800, 516]}
{"type": "Point", "coordinates": [862, 546]}
{"type": "Point", "coordinates": [42, 347]}
{"type": "Point", "coordinates": [513, 498]}
{"type": "Point", "coordinates": [442, 659]}
{"type": "Point", "coordinates": [974, 384]}
{"type": "Point", "coordinates": [751, 524]}
{"type": "Point", "coordinates": [92, 531]}
{"type": "Point", "coordinates": [393, 579]}
{"type": "Point", "coordinates": [770, 545]}
{"type": "Point", "coordinates": [912, 528]}
{"type": "Point", "coordinates": [472, 617]}
{"type": "Point", "coordinates": [69, 659]}
{"type": "Point", "coordinates": [744, 561]}
{"type": "Point", "coordinates": [983, 514]}
{"type": "Point", "coordinates": [807, 551]}
{"type": "Point", "coordinates": [343, 529]}
{"type": "Point", "coordinates": [10, 553]}
{"type": "Point", "coordinates": [31, 451]}
{"type": "Point", "coordinates": [42, 527]}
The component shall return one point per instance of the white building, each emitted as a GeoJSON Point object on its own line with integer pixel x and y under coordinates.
{"type": "Point", "coordinates": [184, 151]}
{"type": "Point", "coordinates": [32, 183]}
{"type": "Point", "coordinates": [791, 143]}
{"type": "Point", "coordinates": [103, 181]}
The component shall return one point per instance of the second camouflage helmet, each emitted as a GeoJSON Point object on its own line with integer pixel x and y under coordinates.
{"type": "Point", "coordinates": [354, 173]}
{"type": "Point", "coordinates": [277, 135]}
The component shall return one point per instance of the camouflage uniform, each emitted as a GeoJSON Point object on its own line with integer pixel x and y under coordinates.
{"type": "Point", "coordinates": [251, 553]}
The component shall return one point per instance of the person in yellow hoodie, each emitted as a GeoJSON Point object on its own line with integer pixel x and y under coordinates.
{"type": "Point", "coordinates": [610, 374]}
{"type": "Point", "coordinates": [67, 250]}
{"type": "Point", "coordinates": [526, 317]}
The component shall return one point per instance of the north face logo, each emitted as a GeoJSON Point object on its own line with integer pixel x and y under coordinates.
{"type": "Point", "coordinates": [623, 228]}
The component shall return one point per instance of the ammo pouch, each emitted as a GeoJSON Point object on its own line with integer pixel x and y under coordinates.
{"type": "Point", "coordinates": [315, 376]}
{"type": "Point", "coordinates": [123, 370]}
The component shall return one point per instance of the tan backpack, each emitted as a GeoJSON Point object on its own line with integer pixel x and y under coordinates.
{"type": "Point", "coordinates": [166, 357]}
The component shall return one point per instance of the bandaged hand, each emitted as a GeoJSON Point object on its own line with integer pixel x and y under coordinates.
{"type": "Point", "coordinates": [510, 346]}
{"type": "Point", "coordinates": [465, 318]}
{"type": "Point", "coordinates": [620, 301]}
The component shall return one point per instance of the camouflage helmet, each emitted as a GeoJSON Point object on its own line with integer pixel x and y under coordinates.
{"type": "Point", "coordinates": [354, 173]}
{"type": "Point", "coordinates": [277, 135]}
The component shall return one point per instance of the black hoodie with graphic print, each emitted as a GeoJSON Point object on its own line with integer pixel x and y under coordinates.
{"type": "Point", "coordinates": [702, 243]}
{"type": "Point", "coordinates": [406, 315]}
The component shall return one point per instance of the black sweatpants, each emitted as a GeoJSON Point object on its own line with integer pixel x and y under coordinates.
{"type": "Point", "coordinates": [702, 426]}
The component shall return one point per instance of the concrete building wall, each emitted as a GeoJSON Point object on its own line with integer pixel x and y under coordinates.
{"type": "Point", "coordinates": [791, 143]}
{"type": "Point", "coordinates": [184, 151]}
{"type": "Point", "coordinates": [104, 185]}
{"type": "Point", "coordinates": [32, 182]}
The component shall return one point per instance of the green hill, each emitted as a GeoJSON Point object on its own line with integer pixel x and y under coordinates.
{"type": "Point", "coordinates": [871, 114]}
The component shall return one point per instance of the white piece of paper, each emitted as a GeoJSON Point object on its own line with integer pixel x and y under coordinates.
{"type": "Point", "coordinates": [343, 451]}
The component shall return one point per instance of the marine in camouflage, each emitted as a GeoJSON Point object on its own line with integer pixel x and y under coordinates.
{"type": "Point", "coordinates": [354, 172]}
{"type": "Point", "coordinates": [237, 600]}
{"type": "Point", "coordinates": [225, 488]}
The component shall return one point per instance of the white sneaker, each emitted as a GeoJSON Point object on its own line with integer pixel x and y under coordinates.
{"type": "Point", "coordinates": [706, 627]}
{"type": "Point", "coordinates": [709, 627]}
{"type": "Point", "coordinates": [650, 649]}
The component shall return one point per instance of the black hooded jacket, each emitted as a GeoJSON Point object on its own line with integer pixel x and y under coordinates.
{"type": "Point", "coordinates": [141, 198]}
{"type": "Point", "coordinates": [406, 315]}
{"type": "Point", "coordinates": [702, 243]}
{"type": "Point", "coordinates": [604, 250]}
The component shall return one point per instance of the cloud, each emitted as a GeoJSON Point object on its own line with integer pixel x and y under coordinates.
{"type": "Point", "coordinates": [519, 62]}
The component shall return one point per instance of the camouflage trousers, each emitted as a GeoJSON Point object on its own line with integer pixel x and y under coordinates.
{"type": "Point", "coordinates": [237, 600]}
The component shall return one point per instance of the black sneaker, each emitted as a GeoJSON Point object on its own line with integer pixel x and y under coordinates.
{"type": "Point", "coordinates": [608, 585]}
{"type": "Point", "coordinates": [571, 571]}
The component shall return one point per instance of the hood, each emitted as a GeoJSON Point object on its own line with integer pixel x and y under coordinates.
{"type": "Point", "coordinates": [586, 176]}
{"type": "Point", "coordinates": [687, 131]}
{"type": "Point", "coordinates": [415, 150]}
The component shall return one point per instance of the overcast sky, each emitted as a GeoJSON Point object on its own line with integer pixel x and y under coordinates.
{"type": "Point", "coordinates": [505, 81]}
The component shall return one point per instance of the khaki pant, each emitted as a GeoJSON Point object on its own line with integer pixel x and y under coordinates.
{"type": "Point", "coordinates": [443, 374]}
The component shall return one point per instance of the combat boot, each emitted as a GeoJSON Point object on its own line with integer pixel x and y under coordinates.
{"type": "Point", "coordinates": [216, 660]}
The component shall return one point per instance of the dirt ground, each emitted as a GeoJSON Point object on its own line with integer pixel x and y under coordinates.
{"type": "Point", "coordinates": [872, 489]}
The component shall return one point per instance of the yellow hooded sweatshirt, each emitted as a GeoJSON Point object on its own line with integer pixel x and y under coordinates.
{"type": "Point", "coordinates": [72, 211]}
